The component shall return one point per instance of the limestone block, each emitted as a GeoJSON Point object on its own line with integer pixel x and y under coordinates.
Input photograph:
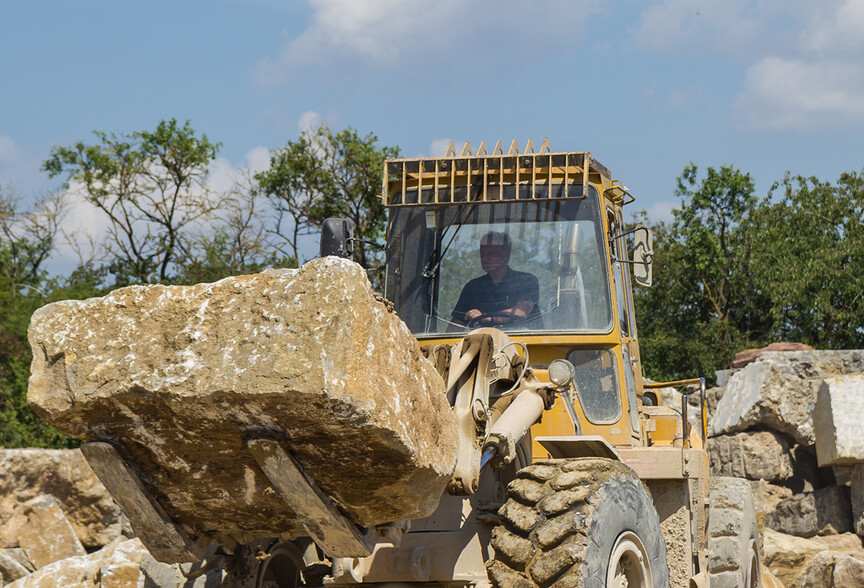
{"type": "Point", "coordinates": [766, 497]}
{"type": "Point", "coordinates": [84, 570]}
{"type": "Point", "coordinates": [837, 420]}
{"type": "Point", "coordinates": [779, 390]}
{"type": "Point", "coordinates": [11, 569]}
{"type": "Point", "coordinates": [17, 554]}
{"type": "Point", "coordinates": [857, 492]}
{"type": "Point", "coordinates": [47, 537]}
{"type": "Point", "coordinates": [831, 569]}
{"type": "Point", "coordinates": [177, 378]}
{"type": "Point", "coordinates": [748, 356]}
{"type": "Point", "coordinates": [826, 511]}
{"type": "Point", "coordinates": [761, 455]}
{"type": "Point", "coordinates": [65, 475]}
{"type": "Point", "coordinates": [788, 556]}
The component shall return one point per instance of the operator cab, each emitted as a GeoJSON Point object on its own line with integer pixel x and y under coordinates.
{"type": "Point", "coordinates": [434, 252]}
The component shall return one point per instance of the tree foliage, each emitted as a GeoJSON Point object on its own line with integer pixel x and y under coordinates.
{"type": "Point", "coordinates": [329, 174]}
{"type": "Point", "coordinates": [733, 270]}
{"type": "Point", "coordinates": [151, 186]}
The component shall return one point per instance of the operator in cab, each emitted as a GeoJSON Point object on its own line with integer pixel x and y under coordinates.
{"type": "Point", "coordinates": [503, 296]}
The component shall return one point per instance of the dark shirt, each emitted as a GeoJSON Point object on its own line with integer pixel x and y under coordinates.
{"type": "Point", "coordinates": [482, 293]}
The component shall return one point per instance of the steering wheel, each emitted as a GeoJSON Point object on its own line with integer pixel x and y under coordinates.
{"type": "Point", "coordinates": [477, 320]}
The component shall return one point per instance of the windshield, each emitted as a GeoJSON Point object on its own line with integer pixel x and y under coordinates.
{"type": "Point", "coordinates": [542, 267]}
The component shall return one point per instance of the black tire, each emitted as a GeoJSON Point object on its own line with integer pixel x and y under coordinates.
{"type": "Point", "coordinates": [734, 553]}
{"type": "Point", "coordinates": [564, 517]}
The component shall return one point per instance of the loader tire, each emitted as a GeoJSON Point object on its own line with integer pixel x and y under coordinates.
{"type": "Point", "coordinates": [582, 523]}
{"type": "Point", "coordinates": [733, 537]}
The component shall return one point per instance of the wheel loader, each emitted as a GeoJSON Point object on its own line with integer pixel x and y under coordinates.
{"type": "Point", "coordinates": [513, 270]}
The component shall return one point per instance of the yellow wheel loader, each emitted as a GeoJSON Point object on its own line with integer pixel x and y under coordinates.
{"type": "Point", "coordinates": [513, 270]}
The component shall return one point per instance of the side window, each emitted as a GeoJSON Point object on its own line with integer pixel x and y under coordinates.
{"type": "Point", "coordinates": [618, 274]}
{"type": "Point", "coordinates": [597, 384]}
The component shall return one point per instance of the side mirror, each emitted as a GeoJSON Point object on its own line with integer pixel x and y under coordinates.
{"type": "Point", "coordinates": [643, 255]}
{"type": "Point", "coordinates": [337, 235]}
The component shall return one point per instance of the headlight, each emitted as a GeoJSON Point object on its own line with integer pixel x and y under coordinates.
{"type": "Point", "coordinates": [561, 372]}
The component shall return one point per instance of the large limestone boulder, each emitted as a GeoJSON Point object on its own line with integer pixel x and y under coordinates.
{"type": "Point", "coordinates": [778, 391]}
{"type": "Point", "coordinates": [754, 455]}
{"type": "Point", "coordinates": [837, 420]}
{"type": "Point", "coordinates": [114, 566]}
{"type": "Point", "coordinates": [65, 475]}
{"type": "Point", "coordinates": [177, 378]}
{"type": "Point", "coordinates": [827, 511]}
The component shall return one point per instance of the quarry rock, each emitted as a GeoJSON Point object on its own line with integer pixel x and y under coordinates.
{"type": "Point", "coordinates": [766, 497]}
{"type": "Point", "coordinates": [779, 391]}
{"type": "Point", "coordinates": [837, 420]}
{"type": "Point", "coordinates": [759, 455]}
{"type": "Point", "coordinates": [177, 378]}
{"type": "Point", "coordinates": [748, 356]}
{"type": "Point", "coordinates": [11, 569]}
{"type": "Point", "coordinates": [857, 495]}
{"type": "Point", "coordinates": [788, 556]}
{"type": "Point", "coordinates": [826, 511]}
{"type": "Point", "coordinates": [18, 555]}
{"type": "Point", "coordinates": [87, 570]}
{"type": "Point", "coordinates": [832, 569]}
{"type": "Point", "coordinates": [65, 475]}
{"type": "Point", "coordinates": [47, 537]}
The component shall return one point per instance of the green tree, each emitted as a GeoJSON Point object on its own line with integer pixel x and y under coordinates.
{"type": "Point", "coordinates": [27, 238]}
{"type": "Point", "coordinates": [811, 255]}
{"type": "Point", "coordinates": [703, 306]}
{"type": "Point", "coordinates": [325, 174]}
{"type": "Point", "coordinates": [151, 186]}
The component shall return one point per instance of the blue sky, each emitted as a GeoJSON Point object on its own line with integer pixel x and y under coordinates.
{"type": "Point", "coordinates": [647, 87]}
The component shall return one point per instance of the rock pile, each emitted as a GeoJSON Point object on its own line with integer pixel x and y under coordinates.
{"type": "Point", "coordinates": [59, 526]}
{"type": "Point", "coordinates": [790, 422]}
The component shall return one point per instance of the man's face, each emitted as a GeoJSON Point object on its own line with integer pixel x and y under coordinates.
{"type": "Point", "coordinates": [493, 257]}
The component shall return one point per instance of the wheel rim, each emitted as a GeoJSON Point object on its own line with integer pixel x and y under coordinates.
{"type": "Point", "coordinates": [629, 565]}
{"type": "Point", "coordinates": [282, 567]}
{"type": "Point", "coordinates": [755, 572]}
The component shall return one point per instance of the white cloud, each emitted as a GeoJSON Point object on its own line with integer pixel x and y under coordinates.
{"type": "Point", "coordinates": [8, 151]}
{"type": "Point", "coordinates": [731, 27]}
{"type": "Point", "coordinates": [835, 27]}
{"type": "Point", "coordinates": [661, 211]}
{"type": "Point", "coordinates": [309, 121]}
{"type": "Point", "coordinates": [783, 94]}
{"type": "Point", "coordinates": [438, 147]}
{"type": "Point", "coordinates": [386, 33]}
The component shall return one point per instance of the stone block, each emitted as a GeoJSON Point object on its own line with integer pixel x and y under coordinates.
{"type": "Point", "coordinates": [779, 390]}
{"type": "Point", "coordinates": [760, 455]}
{"type": "Point", "coordinates": [47, 537]}
{"type": "Point", "coordinates": [177, 378]}
{"type": "Point", "coordinates": [85, 570]}
{"type": "Point", "coordinates": [837, 420]}
{"type": "Point", "coordinates": [831, 569]}
{"type": "Point", "coordinates": [65, 475]}
{"type": "Point", "coordinates": [788, 556]}
{"type": "Point", "coordinates": [11, 569]}
{"type": "Point", "coordinates": [857, 494]}
{"type": "Point", "coordinates": [826, 511]}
